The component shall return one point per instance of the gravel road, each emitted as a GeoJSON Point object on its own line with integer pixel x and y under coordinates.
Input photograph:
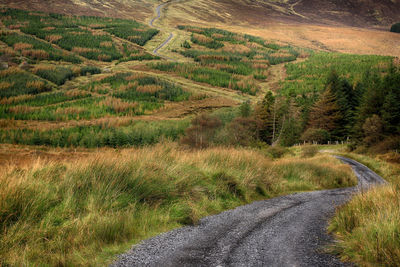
{"type": "Point", "coordinates": [283, 231]}
{"type": "Point", "coordinates": [171, 35]}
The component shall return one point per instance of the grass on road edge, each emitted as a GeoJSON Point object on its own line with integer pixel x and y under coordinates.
{"type": "Point", "coordinates": [84, 212]}
{"type": "Point", "coordinates": [368, 227]}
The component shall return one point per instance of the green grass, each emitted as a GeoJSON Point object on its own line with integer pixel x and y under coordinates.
{"type": "Point", "coordinates": [17, 82]}
{"type": "Point", "coordinates": [136, 134]}
{"type": "Point", "coordinates": [311, 75]}
{"type": "Point", "coordinates": [83, 213]}
{"type": "Point", "coordinates": [50, 52]}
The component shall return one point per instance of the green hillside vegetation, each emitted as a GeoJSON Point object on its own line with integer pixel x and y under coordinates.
{"type": "Point", "coordinates": [121, 94]}
{"type": "Point", "coordinates": [227, 59]}
{"type": "Point", "coordinates": [90, 37]}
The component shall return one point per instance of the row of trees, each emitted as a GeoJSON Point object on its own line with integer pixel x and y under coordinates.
{"type": "Point", "coordinates": [365, 113]}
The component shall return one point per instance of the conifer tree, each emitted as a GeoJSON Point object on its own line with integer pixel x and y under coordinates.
{"type": "Point", "coordinates": [325, 113]}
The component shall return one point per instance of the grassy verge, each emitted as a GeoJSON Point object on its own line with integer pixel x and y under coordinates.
{"type": "Point", "coordinates": [83, 212]}
{"type": "Point", "coordinates": [368, 227]}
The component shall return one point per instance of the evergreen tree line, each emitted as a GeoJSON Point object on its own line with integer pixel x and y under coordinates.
{"type": "Point", "coordinates": [366, 113]}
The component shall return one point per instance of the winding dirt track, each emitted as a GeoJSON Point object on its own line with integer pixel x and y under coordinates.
{"type": "Point", "coordinates": [283, 231]}
{"type": "Point", "coordinates": [171, 35]}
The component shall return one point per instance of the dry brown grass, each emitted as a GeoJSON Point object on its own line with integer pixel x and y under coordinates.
{"type": "Point", "coordinates": [8, 51]}
{"type": "Point", "coordinates": [53, 38]}
{"type": "Point", "coordinates": [48, 28]}
{"type": "Point", "coordinates": [36, 54]}
{"type": "Point", "coordinates": [22, 46]}
{"type": "Point", "coordinates": [22, 109]}
{"type": "Point", "coordinates": [35, 84]}
{"type": "Point", "coordinates": [70, 110]}
{"type": "Point", "coordinates": [81, 50]}
{"type": "Point", "coordinates": [202, 39]}
{"type": "Point", "coordinates": [15, 99]}
{"type": "Point", "coordinates": [5, 85]}
{"type": "Point", "coordinates": [10, 71]}
{"type": "Point", "coordinates": [235, 48]}
{"type": "Point", "coordinates": [150, 88]}
{"type": "Point", "coordinates": [118, 105]}
{"type": "Point", "coordinates": [136, 76]}
{"type": "Point", "coordinates": [43, 67]}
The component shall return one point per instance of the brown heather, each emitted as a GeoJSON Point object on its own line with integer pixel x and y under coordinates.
{"type": "Point", "coordinates": [118, 105]}
{"type": "Point", "coordinates": [36, 54]}
{"type": "Point", "coordinates": [53, 38]}
{"type": "Point", "coordinates": [43, 68]}
{"type": "Point", "coordinates": [22, 109]}
{"type": "Point", "coordinates": [5, 85]}
{"type": "Point", "coordinates": [10, 71]}
{"type": "Point", "coordinates": [235, 48]}
{"type": "Point", "coordinates": [75, 93]}
{"type": "Point", "coordinates": [130, 85]}
{"type": "Point", "coordinates": [22, 46]}
{"type": "Point", "coordinates": [194, 30]}
{"type": "Point", "coordinates": [202, 39]}
{"type": "Point", "coordinates": [217, 35]}
{"type": "Point", "coordinates": [35, 84]}
{"type": "Point", "coordinates": [106, 44]}
{"type": "Point", "coordinates": [135, 76]}
{"type": "Point", "coordinates": [150, 88]}
{"type": "Point", "coordinates": [8, 51]}
{"type": "Point", "coordinates": [15, 99]}
{"type": "Point", "coordinates": [70, 110]}
{"type": "Point", "coordinates": [82, 50]}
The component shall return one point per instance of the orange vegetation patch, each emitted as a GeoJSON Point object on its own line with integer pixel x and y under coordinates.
{"type": "Point", "coordinates": [5, 85]}
{"type": "Point", "coordinates": [22, 46]}
{"type": "Point", "coordinates": [202, 39]}
{"type": "Point", "coordinates": [150, 88]}
{"type": "Point", "coordinates": [70, 110]}
{"type": "Point", "coordinates": [22, 109]}
{"type": "Point", "coordinates": [53, 38]}
{"type": "Point", "coordinates": [10, 71]}
{"type": "Point", "coordinates": [235, 48]}
{"type": "Point", "coordinates": [81, 50]}
{"type": "Point", "coordinates": [25, 156]}
{"type": "Point", "coordinates": [35, 84]}
{"type": "Point", "coordinates": [35, 54]}
{"type": "Point", "coordinates": [15, 99]}
{"type": "Point", "coordinates": [118, 105]}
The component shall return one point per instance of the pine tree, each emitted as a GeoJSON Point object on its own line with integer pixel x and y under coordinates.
{"type": "Point", "coordinates": [265, 114]}
{"type": "Point", "coordinates": [325, 113]}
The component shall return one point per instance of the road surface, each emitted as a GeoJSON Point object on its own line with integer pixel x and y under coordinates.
{"type": "Point", "coordinates": [171, 35]}
{"type": "Point", "coordinates": [283, 231]}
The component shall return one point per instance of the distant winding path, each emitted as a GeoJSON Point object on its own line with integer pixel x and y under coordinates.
{"type": "Point", "coordinates": [282, 231]}
{"type": "Point", "coordinates": [171, 35]}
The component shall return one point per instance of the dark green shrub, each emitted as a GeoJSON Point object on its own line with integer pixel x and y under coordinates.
{"type": "Point", "coordinates": [395, 28]}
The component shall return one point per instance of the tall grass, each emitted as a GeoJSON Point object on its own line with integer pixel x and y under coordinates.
{"type": "Point", "coordinates": [368, 227]}
{"type": "Point", "coordinates": [82, 212]}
